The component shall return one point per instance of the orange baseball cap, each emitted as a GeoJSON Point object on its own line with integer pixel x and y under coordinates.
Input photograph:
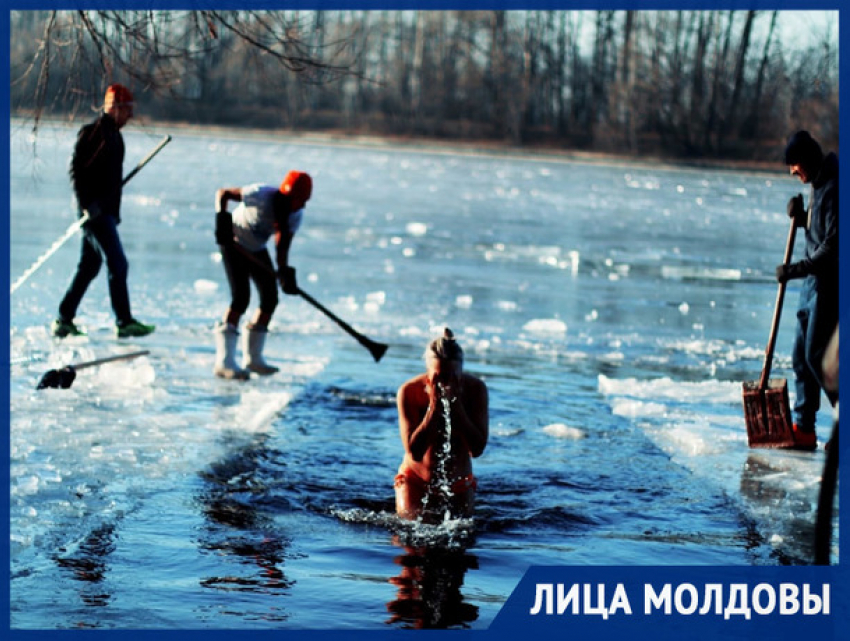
{"type": "Point", "coordinates": [298, 186]}
{"type": "Point", "coordinates": [117, 95]}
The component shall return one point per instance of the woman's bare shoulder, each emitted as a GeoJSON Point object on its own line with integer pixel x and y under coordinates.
{"type": "Point", "coordinates": [474, 382]}
{"type": "Point", "coordinates": [414, 384]}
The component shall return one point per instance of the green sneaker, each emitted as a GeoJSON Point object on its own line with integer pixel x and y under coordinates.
{"type": "Point", "coordinates": [134, 329]}
{"type": "Point", "coordinates": [61, 329]}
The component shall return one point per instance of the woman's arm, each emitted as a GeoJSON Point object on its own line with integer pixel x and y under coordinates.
{"type": "Point", "coordinates": [471, 415]}
{"type": "Point", "coordinates": [416, 435]}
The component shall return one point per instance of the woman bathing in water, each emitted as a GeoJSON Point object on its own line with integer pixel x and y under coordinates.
{"type": "Point", "coordinates": [443, 422]}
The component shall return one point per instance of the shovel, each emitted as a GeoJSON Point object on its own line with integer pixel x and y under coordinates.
{"type": "Point", "coordinates": [375, 348]}
{"type": "Point", "coordinates": [63, 378]}
{"type": "Point", "coordinates": [766, 407]}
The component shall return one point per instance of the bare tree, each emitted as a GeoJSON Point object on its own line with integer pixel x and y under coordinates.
{"type": "Point", "coordinates": [626, 83]}
{"type": "Point", "coordinates": [718, 86]}
{"type": "Point", "coordinates": [602, 51]}
{"type": "Point", "coordinates": [152, 51]}
{"type": "Point", "coordinates": [750, 126]}
{"type": "Point", "coordinates": [740, 66]}
{"type": "Point", "coordinates": [677, 82]}
{"type": "Point", "coordinates": [498, 73]}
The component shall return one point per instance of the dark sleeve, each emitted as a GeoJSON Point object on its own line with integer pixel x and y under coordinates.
{"type": "Point", "coordinates": [823, 262]}
{"type": "Point", "coordinates": [83, 164]}
{"type": "Point", "coordinates": [283, 207]}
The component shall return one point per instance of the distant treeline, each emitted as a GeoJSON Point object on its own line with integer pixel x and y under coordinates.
{"type": "Point", "coordinates": [687, 84]}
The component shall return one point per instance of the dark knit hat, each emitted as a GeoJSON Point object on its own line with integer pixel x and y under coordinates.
{"type": "Point", "coordinates": [802, 149]}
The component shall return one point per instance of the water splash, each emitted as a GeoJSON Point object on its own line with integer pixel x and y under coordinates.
{"type": "Point", "coordinates": [452, 533]}
{"type": "Point", "coordinates": [440, 492]}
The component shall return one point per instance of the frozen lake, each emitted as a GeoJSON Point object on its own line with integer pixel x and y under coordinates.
{"type": "Point", "coordinates": [613, 309]}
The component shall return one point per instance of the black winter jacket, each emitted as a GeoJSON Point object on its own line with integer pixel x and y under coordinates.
{"type": "Point", "coordinates": [97, 166]}
{"type": "Point", "coordinates": [821, 258]}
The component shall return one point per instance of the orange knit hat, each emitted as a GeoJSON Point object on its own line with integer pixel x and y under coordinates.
{"type": "Point", "coordinates": [117, 95]}
{"type": "Point", "coordinates": [298, 186]}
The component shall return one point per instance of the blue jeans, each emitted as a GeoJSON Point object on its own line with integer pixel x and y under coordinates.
{"type": "Point", "coordinates": [817, 318]}
{"type": "Point", "coordinates": [100, 241]}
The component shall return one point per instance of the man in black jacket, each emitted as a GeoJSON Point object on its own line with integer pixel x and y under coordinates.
{"type": "Point", "coordinates": [96, 174]}
{"type": "Point", "coordinates": [817, 315]}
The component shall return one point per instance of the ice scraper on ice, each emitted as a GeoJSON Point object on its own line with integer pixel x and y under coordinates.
{"type": "Point", "coordinates": [64, 377]}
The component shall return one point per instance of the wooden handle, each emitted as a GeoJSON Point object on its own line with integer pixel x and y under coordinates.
{"type": "Point", "coordinates": [777, 312]}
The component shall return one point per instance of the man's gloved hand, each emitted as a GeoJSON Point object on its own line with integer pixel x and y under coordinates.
{"type": "Point", "coordinates": [286, 275]}
{"type": "Point", "coordinates": [797, 211]}
{"type": "Point", "coordinates": [93, 211]}
{"type": "Point", "coordinates": [784, 273]}
{"type": "Point", "coordinates": [223, 228]}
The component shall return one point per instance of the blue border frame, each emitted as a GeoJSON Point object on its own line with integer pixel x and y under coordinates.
{"type": "Point", "coordinates": [514, 619]}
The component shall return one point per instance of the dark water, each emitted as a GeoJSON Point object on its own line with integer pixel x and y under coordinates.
{"type": "Point", "coordinates": [612, 309]}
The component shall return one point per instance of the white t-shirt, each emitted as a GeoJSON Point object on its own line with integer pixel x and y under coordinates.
{"type": "Point", "coordinates": [253, 218]}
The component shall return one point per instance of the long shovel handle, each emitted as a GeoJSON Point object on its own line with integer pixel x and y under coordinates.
{"type": "Point", "coordinates": [109, 359]}
{"type": "Point", "coordinates": [375, 349]}
{"type": "Point", "coordinates": [64, 378]}
{"type": "Point", "coordinates": [777, 312]}
{"type": "Point", "coordinates": [81, 221]}
{"type": "Point", "coordinates": [144, 161]}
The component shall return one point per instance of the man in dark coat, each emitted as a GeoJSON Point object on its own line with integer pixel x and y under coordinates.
{"type": "Point", "coordinates": [817, 315]}
{"type": "Point", "coordinates": [96, 174]}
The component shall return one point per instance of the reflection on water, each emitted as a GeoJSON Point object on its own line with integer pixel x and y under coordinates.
{"type": "Point", "coordinates": [770, 487]}
{"type": "Point", "coordinates": [429, 588]}
{"type": "Point", "coordinates": [237, 529]}
{"type": "Point", "coordinates": [758, 481]}
{"type": "Point", "coordinates": [89, 564]}
{"type": "Point", "coordinates": [267, 554]}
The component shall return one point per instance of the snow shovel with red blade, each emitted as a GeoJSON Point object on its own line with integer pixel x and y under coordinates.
{"type": "Point", "coordinates": [766, 407]}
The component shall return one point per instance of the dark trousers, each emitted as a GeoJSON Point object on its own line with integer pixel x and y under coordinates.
{"type": "Point", "coordinates": [241, 270]}
{"type": "Point", "coordinates": [100, 242]}
{"type": "Point", "coordinates": [817, 318]}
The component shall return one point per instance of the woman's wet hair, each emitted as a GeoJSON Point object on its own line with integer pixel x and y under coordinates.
{"type": "Point", "coordinates": [445, 348]}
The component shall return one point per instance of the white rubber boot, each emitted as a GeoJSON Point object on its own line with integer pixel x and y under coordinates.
{"type": "Point", "coordinates": [225, 353]}
{"type": "Point", "coordinates": [252, 351]}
